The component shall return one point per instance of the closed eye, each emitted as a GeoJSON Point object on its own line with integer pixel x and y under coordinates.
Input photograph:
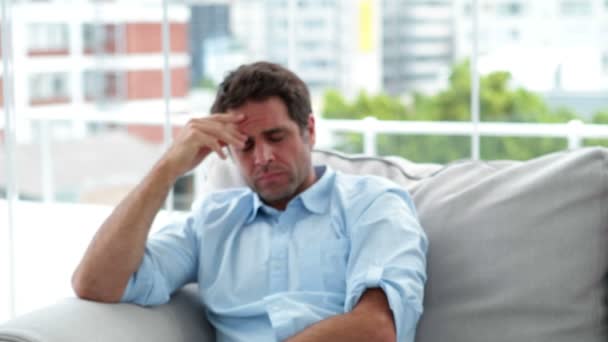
{"type": "Point", "coordinates": [248, 145]}
{"type": "Point", "coordinates": [276, 137]}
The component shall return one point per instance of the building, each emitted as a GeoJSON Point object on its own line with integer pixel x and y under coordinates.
{"type": "Point", "coordinates": [73, 59]}
{"type": "Point", "coordinates": [417, 45]}
{"type": "Point", "coordinates": [556, 48]}
{"type": "Point", "coordinates": [329, 43]}
{"type": "Point", "coordinates": [557, 45]}
{"type": "Point", "coordinates": [209, 20]}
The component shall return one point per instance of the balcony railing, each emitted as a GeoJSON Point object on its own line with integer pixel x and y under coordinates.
{"type": "Point", "coordinates": [574, 131]}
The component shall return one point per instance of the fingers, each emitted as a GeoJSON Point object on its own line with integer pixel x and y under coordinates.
{"type": "Point", "coordinates": [215, 132]}
{"type": "Point", "coordinates": [225, 133]}
{"type": "Point", "coordinates": [227, 117]}
{"type": "Point", "coordinates": [224, 129]}
{"type": "Point", "coordinates": [207, 141]}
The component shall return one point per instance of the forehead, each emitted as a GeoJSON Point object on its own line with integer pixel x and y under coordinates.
{"type": "Point", "coordinates": [263, 115]}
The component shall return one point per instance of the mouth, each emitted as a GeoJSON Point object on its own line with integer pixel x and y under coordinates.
{"type": "Point", "coordinates": [269, 177]}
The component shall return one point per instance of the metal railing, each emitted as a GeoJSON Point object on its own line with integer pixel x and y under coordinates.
{"type": "Point", "coordinates": [574, 131]}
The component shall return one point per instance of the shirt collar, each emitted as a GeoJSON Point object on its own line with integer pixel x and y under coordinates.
{"type": "Point", "coordinates": [315, 198]}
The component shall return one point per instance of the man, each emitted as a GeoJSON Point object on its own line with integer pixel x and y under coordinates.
{"type": "Point", "coordinates": [304, 254]}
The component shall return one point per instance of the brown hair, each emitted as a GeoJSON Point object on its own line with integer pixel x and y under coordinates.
{"type": "Point", "coordinates": [259, 81]}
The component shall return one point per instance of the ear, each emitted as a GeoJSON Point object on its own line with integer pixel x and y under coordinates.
{"type": "Point", "coordinates": [311, 130]}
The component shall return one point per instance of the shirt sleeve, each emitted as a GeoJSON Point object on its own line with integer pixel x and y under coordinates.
{"type": "Point", "coordinates": [388, 251]}
{"type": "Point", "coordinates": [169, 262]}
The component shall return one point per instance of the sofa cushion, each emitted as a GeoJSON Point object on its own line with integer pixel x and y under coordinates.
{"type": "Point", "coordinates": [518, 250]}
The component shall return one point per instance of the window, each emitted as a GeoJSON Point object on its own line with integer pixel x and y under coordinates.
{"type": "Point", "coordinates": [183, 192]}
{"type": "Point", "coordinates": [420, 76]}
{"type": "Point", "coordinates": [102, 86]}
{"type": "Point", "coordinates": [316, 64]}
{"type": "Point", "coordinates": [311, 45]}
{"type": "Point", "coordinates": [314, 23]}
{"type": "Point", "coordinates": [575, 8]}
{"type": "Point", "coordinates": [514, 34]}
{"type": "Point", "coordinates": [315, 3]}
{"type": "Point", "coordinates": [47, 37]}
{"type": "Point", "coordinates": [99, 38]}
{"type": "Point", "coordinates": [49, 87]}
{"type": "Point", "coordinates": [51, 78]}
{"type": "Point", "coordinates": [509, 9]}
{"type": "Point", "coordinates": [467, 10]}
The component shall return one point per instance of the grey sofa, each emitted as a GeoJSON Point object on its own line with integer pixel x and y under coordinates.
{"type": "Point", "coordinates": [518, 252]}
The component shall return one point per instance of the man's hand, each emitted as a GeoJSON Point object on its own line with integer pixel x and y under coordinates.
{"type": "Point", "coordinates": [199, 138]}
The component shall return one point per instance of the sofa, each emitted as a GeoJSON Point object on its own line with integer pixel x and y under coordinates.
{"type": "Point", "coordinates": [518, 252]}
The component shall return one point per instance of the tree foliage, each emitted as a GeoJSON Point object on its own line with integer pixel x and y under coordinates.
{"type": "Point", "coordinates": [499, 102]}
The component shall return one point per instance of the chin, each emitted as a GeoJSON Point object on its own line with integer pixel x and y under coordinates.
{"type": "Point", "coordinates": [275, 196]}
{"type": "Point", "coordinates": [272, 197]}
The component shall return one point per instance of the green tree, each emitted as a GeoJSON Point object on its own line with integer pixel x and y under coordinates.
{"type": "Point", "coordinates": [600, 118]}
{"type": "Point", "coordinates": [207, 83]}
{"type": "Point", "coordinates": [499, 102]}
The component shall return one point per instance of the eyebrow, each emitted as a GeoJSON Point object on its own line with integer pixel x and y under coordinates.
{"type": "Point", "coordinates": [275, 130]}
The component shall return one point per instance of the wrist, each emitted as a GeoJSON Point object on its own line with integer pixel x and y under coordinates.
{"type": "Point", "coordinates": [165, 172]}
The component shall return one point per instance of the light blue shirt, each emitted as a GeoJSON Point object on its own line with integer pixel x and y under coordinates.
{"type": "Point", "coordinates": [265, 275]}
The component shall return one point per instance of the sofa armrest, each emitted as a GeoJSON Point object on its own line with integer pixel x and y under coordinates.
{"type": "Point", "coordinates": [71, 320]}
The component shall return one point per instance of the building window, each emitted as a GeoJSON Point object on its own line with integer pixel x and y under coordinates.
{"type": "Point", "coordinates": [514, 34]}
{"type": "Point", "coordinates": [575, 7]}
{"type": "Point", "coordinates": [316, 64]}
{"type": "Point", "coordinates": [419, 76]}
{"type": "Point", "coordinates": [467, 10]}
{"type": "Point", "coordinates": [315, 3]}
{"type": "Point", "coordinates": [311, 24]}
{"type": "Point", "coordinates": [99, 38]}
{"type": "Point", "coordinates": [49, 88]}
{"type": "Point", "coordinates": [102, 86]}
{"type": "Point", "coordinates": [183, 191]}
{"type": "Point", "coordinates": [48, 37]}
{"type": "Point", "coordinates": [510, 9]}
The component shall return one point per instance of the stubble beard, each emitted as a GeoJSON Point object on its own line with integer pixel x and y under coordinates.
{"type": "Point", "coordinates": [272, 194]}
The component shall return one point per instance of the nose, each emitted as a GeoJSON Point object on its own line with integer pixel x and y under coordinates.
{"type": "Point", "coordinates": [262, 154]}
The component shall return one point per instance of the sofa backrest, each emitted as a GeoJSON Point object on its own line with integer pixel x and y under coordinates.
{"type": "Point", "coordinates": [518, 250]}
{"type": "Point", "coordinates": [222, 174]}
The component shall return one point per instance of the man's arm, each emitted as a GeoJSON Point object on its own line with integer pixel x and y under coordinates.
{"type": "Point", "coordinates": [370, 320]}
{"type": "Point", "coordinates": [118, 246]}
{"type": "Point", "coordinates": [385, 277]}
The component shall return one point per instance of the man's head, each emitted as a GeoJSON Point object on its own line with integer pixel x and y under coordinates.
{"type": "Point", "coordinates": [259, 81]}
{"type": "Point", "coordinates": [276, 160]}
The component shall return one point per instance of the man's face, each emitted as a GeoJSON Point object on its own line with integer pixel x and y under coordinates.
{"type": "Point", "coordinates": [275, 161]}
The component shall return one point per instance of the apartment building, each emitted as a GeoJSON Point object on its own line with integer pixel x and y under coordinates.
{"type": "Point", "coordinates": [85, 58]}
{"type": "Point", "coordinates": [547, 45]}
{"type": "Point", "coordinates": [329, 43]}
{"type": "Point", "coordinates": [417, 45]}
{"type": "Point", "coordinates": [209, 21]}
{"type": "Point", "coordinates": [557, 48]}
